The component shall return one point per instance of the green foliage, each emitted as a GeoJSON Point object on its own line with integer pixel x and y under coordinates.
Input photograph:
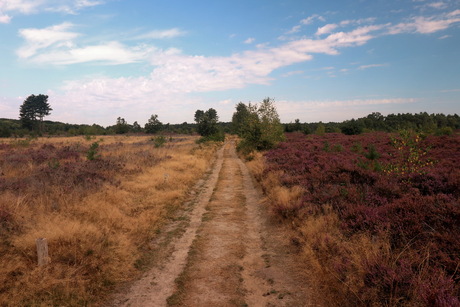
{"type": "Point", "coordinates": [159, 141]}
{"type": "Point", "coordinates": [207, 122]}
{"type": "Point", "coordinates": [372, 153]}
{"type": "Point", "coordinates": [5, 131]}
{"type": "Point", "coordinates": [352, 127]}
{"type": "Point", "coordinates": [444, 131]}
{"type": "Point", "coordinates": [33, 109]}
{"type": "Point", "coordinates": [321, 129]}
{"type": "Point", "coordinates": [259, 126]}
{"type": "Point", "coordinates": [239, 118]}
{"type": "Point", "coordinates": [154, 125]}
{"type": "Point", "coordinates": [121, 126]}
{"type": "Point", "coordinates": [411, 154]}
{"type": "Point", "coordinates": [216, 137]}
{"type": "Point", "coordinates": [136, 127]}
{"type": "Point", "coordinates": [337, 148]}
{"type": "Point", "coordinates": [92, 153]}
{"type": "Point", "coordinates": [357, 147]}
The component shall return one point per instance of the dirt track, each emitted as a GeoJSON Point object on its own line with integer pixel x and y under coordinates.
{"type": "Point", "coordinates": [228, 254]}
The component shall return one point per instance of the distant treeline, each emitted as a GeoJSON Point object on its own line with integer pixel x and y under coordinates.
{"type": "Point", "coordinates": [422, 122]}
{"type": "Point", "coordinates": [14, 128]}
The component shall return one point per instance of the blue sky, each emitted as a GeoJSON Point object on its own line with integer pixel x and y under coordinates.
{"type": "Point", "coordinates": [320, 60]}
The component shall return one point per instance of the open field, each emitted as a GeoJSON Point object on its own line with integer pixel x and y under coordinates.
{"type": "Point", "coordinates": [377, 215]}
{"type": "Point", "coordinates": [99, 206]}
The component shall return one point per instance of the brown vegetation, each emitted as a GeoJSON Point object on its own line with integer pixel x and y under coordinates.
{"type": "Point", "coordinates": [98, 207]}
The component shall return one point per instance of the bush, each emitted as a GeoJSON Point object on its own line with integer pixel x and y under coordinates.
{"type": "Point", "coordinates": [159, 141]}
{"type": "Point", "coordinates": [92, 153]}
{"type": "Point", "coordinates": [259, 126]}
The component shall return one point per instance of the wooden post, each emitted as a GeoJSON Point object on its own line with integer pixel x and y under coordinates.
{"type": "Point", "coordinates": [42, 251]}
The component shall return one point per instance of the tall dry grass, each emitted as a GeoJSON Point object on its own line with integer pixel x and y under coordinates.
{"type": "Point", "coordinates": [97, 215]}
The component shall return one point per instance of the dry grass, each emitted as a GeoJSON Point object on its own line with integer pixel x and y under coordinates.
{"type": "Point", "coordinates": [98, 216]}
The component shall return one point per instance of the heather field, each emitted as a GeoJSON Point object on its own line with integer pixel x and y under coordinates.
{"type": "Point", "coordinates": [98, 201]}
{"type": "Point", "coordinates": [377, 215]}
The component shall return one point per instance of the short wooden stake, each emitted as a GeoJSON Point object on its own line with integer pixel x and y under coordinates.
{"type": "Point", "coordinates": [42, 251]}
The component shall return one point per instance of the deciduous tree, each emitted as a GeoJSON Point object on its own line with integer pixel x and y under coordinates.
{"type": "Point", "coordinates": [153, 125]}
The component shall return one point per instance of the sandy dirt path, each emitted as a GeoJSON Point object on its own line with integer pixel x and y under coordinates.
{"type": "Point", "coordinates": [230, 252]}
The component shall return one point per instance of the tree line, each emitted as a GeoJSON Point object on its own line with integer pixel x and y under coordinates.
{"type": "Point", "coordinates": [420, 122]}
{"type": "Point", "coordinates": [258, 125]}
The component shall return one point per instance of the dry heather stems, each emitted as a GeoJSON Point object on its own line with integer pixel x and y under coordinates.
{"type": "Point", "coordinates": [98, 216]}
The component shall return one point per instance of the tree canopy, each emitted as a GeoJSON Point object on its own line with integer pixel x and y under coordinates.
{"type": "Point", "coordinates": [207, 122]}
{"type": "Point", "coordinates": [154, 125]}
{"type": "Point", "coordinates": [33, 109]}
{"type": "Point", "coordinates": [258, 125]}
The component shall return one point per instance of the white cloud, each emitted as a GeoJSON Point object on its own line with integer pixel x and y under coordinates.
{"type": "Point", "coordinates": [5, 19]}
{"type": "Point", "coordinates": [294, 29]}
{"type": "Point", "coordinates": [311, 19]}
{"type": "Point", "coordinates": [453, 13]}
{"type": "Point", "coordinates": [22, 6]}
{"type": "Point", "coordinates": [250, 40]}
{"type": "Point", "coordinates": [292, 73]}
{"type": "Point", "coordinates": [357, 21]}
{"type": "Point", "coordinates": [162, 34]}
{"type": "Point", "coordinates": [37, 39]}
{"type": "Point", "coordinates": [362, 67]}
{"type": "Point", "coordinates": [56, 45]}
{"type": "Point", "coordinates": [426, 25]}
{"type": "Point", "coordinates": [112, 53]}
{"type": "Point", "coordinates": [437, 5]}
{"type": "Point", "coordinates": [35, 6]}
{"type": "Point", "coordinates": [70, 7]}
{"type": "Point", "coordinates": [326, 29]}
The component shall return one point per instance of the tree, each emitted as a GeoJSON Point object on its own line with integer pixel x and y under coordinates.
{"type": "Point", "coordinates": [239, 118]}
{"type": "Point", "coordinates": [122, 126]}
{"type": "Point", "coordinates": [352, 127]}
{"type": "Point", "coordinates": [153, 125]}
{"type": "Point", "coordinates": [32, 111]}
{"type": "Point", "coordinates": [260, 128]}
{"type": "Point", "coordinates": [136, 127]}
{"type": "Point", "coordinates": [207, 122]}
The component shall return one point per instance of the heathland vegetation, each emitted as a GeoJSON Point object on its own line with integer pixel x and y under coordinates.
{"type": "Point", "coordinates": [98, 201]}
{"type": "Point", "coordinates": [377, 215]}
{"type": "Point", "coordinates": [374, 202]}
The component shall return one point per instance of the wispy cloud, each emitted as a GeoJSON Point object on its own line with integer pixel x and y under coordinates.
{"type": "Point", "coordinates": [161, 34]}
{"type": "Point", "coordinates": [363, 67]}
{"type": "Point", "coordinates": [437, 5]}
{"type": "Point", "coordinates": [70, 7]}
{"type": "Point", "coordinates": [292, 73]}
{"type": "Point", "coordinates": [37, 39]}
{"type": "Point", "coordinates": [311, 19]}
{"type": "Point", "coordinates": [250, 40]}
{"type": "Point", "coordinates": [326, 29]}
{"type": "Point", "coordinates": [13, 7]}
{"type": "Point", "coordinates": [426, 25]}
{"type": "Point", "coordinates": [57, 45]}
{"type": "Point", "coordinates": [5, 18]}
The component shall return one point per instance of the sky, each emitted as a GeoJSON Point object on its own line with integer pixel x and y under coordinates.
{"type": "Point", "coordinates": [319, 60]}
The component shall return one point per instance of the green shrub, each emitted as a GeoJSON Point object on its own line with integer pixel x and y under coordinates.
{"type": "Point", "coordinates": [159, 141]}
{"type": "Point", "coordinates": [92, 153]}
